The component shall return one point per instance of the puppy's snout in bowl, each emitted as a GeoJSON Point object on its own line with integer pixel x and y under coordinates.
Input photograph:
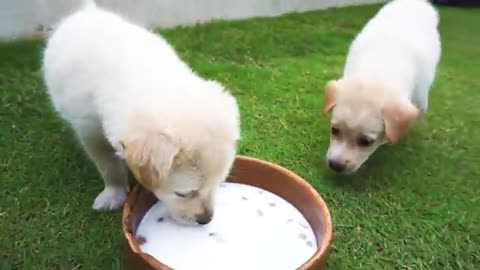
{"type": "Point", "coordinates": [204, 218]}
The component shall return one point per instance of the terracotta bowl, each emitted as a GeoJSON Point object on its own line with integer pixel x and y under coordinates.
{"type": "Point", "coordinates": [246, 170]}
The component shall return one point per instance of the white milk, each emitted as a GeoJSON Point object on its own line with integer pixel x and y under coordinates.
{"type": "Point", "coordinates": [251, 229]}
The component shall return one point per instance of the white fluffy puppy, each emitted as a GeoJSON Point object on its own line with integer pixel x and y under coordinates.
{"type": "Point", "coordinates": [128, 96]}
{"type": "Point", "coordinates": [387, 77]}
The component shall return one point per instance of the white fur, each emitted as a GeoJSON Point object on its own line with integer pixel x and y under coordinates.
{"type": "Point", "coordinates": [388, 74]}
{"type": "Point", "coordinates": [399, 47]}
{"type": "Point", "coordinates": [110, 79]}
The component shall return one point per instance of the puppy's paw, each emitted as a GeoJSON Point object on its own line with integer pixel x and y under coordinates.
{"type": "Point", "coordinates": [111, 198]}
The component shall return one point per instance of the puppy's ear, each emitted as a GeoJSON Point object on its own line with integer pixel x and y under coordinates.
{"type": "Point", "coordinates": [398, 117]}
{"type": "Point", "coordinates": [330, 92]}
{"type": "Point", "coordinates": [150, 156]}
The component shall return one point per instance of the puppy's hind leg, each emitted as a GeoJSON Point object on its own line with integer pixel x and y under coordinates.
{"type": "Point", "coordinates": [112, 169]}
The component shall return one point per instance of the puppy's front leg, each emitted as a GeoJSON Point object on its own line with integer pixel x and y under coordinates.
{"type": "Point", "coordinates": [112, 169]}
{"type": "Point", "coordinates": [422, 90]}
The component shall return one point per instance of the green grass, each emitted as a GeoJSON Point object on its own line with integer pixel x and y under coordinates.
{"type": "Point", "coordinates": [416, 205]}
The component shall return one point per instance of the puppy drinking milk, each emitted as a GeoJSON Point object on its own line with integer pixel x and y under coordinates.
{"type": "Point", "coordinates": [133, 103]}
{"type": "Point", "coordinates": [385, 84]}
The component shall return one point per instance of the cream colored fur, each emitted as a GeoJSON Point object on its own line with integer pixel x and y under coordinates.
{"type": "Point", "coordinates": [386, 82]}
{"type": "Point", "coordinates": [134, 103]}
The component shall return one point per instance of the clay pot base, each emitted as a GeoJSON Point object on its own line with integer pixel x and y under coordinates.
{"type": "Point", "coordinates": [247, 171]}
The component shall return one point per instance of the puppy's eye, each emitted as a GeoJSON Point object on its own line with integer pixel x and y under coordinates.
{"type": "Point", "coordinates": [365, 141]}
{"type": "Point", "coordinates": [189, 194]}
{"type": "Point", "coordinates": [335, 131]}
{"type": "Point", "coordinates": [181, 195]}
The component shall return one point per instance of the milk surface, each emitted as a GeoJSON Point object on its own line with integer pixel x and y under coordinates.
{"type": "Point", "coordinates": [251, 229]}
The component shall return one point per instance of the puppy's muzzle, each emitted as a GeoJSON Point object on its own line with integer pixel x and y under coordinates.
{"type": "Point", "coordinates": [337, 165]}
{"type": "Point", "coordinates": [204, 218]}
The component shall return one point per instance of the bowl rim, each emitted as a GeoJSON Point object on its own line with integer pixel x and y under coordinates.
{"type": "Point", "coordinates": [319, 255]}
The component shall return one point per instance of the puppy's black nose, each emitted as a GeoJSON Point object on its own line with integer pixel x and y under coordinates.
{"type": "Point", "coordinates": [336, 165]}
{"type": "Point", "coordinates": [204, 219]}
